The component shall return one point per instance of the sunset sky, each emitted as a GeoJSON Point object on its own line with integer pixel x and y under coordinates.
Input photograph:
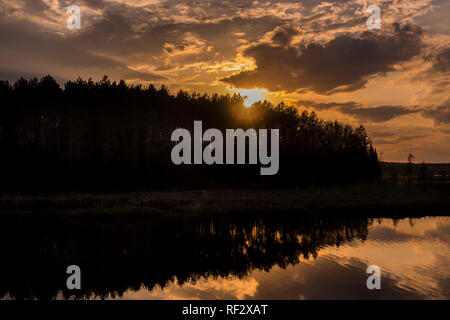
{"type": "Point", "coordinates": [315, 54]}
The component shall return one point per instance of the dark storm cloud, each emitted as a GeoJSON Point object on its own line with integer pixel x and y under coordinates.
{"type": "Point", "coordinates": [35, 6]}
{"type": "Point", "coordinates": [282, 35]}
{"type": "Point", "coordinates": [334, 26]}
{"type": "Point", "coordinates": [441, 62]}
{"type": "Point", "coordinates": [398, 139]}
{"type": "Point", "coordinates": [114, 34]}
{"type": "Point", "coordinates": [95, 4]}
{"type": "Point", "coordinates": [440, 114]}
{"type": "Point", "coordinates": [343, 63]}
{"type": "Point", "coordinates": [376, 114]}
{"type": "Point", "coordinates": [327, 106]}
{"type": "Point", "coordinates": [111, 43]}
{"type": "Point", "coordinates": [27, 51]}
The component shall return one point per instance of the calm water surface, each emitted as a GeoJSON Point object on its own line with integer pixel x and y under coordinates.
{"type": "Point", "coordinates": [413, 254]}
{"type": "Point", "coordinates": [296, 258]}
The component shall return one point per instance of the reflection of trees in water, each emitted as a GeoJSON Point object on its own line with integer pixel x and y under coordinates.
{"type": "Point", "coordinates": [118, 256]}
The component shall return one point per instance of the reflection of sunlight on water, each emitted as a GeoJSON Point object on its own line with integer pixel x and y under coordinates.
{"type": "Point", "coordinates": [413, 255]}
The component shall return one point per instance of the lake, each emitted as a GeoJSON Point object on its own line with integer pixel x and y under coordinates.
{"type": "Point", "coordinates": [270, 257]}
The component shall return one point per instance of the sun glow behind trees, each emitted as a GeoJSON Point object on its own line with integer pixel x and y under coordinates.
{"type": "Point", "coordinates": [252, 95]}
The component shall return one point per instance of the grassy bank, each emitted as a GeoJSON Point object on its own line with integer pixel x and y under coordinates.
{"type": "Point", "coordinates": [363, 199]}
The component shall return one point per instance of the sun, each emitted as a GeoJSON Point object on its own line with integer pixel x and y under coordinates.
{"type": "Point", "coordinates": [252, 95]}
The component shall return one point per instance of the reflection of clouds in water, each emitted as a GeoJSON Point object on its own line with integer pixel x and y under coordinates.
{"type": "Point", "coordinates": [388, 234]}
{"type": "Point", "coordinates": [413, 255]}
{"type": "Point", "coordinates": [219, 288]}
{"type": "Point", "coordinates": [415, 252]}
{"type": "Point", "coordinates": [327, 278]}
{"type": "Point", "coordinates": [415, 226]}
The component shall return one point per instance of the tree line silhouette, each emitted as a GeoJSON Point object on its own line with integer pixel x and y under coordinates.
{"type": "Point", "coordinates": [100, 135]}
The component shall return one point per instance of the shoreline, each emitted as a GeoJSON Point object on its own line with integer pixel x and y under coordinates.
{"type": "Point", "coordinates": [353, 200]}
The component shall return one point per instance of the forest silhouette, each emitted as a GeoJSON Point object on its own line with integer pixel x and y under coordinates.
{"type": "Point", "coordinates": [110, 135]}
